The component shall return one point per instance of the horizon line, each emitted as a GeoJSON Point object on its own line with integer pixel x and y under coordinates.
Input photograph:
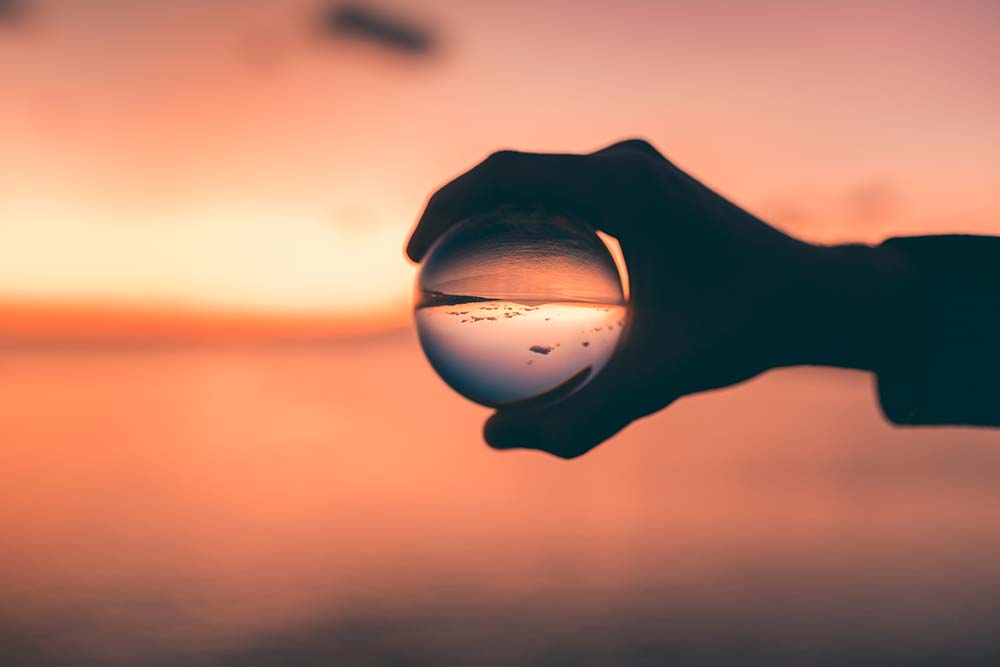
{"type": "Point", "coordinates": [80, 322]}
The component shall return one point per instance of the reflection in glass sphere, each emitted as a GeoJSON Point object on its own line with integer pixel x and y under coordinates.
{"type": "Point", "coordinates": [516, 307]}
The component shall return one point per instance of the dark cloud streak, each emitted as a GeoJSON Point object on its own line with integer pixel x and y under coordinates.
{"type": "Point", "coordinates": [391, 32]}
{"type": "Point", "coordinates": [12, 11]}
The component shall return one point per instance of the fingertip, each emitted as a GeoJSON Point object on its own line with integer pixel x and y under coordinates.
{"type": "Point", "coordinates": [422, 236]}
{"type": "Point", "coordinates": [413, 250]}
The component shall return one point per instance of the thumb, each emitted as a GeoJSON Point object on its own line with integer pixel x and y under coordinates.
{"type": "Point", "coordinates": [568, 428]}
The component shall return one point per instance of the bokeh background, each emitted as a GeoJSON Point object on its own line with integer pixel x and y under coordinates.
{"type": "Point", "coordinates": [220, 443]}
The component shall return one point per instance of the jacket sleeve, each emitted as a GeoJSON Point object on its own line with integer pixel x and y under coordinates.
{"type": "Point", "coordinates": [946, 370]}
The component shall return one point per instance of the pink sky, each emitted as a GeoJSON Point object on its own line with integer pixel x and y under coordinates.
{"type": "Point", "coordinates": [229, 157]}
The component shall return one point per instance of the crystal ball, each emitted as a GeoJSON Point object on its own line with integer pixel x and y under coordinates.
{"type": "Point", "coordinates": [515, 308]}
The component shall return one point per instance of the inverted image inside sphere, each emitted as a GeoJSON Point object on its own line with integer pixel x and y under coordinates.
{"type": "Point", "coordinates": [513, 307]}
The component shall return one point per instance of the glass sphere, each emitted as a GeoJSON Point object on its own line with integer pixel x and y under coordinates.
{"type": "Point", "coordinates": [514, 307]}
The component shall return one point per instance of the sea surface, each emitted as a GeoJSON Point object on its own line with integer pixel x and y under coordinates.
{"type": "Point", "coordinates": [501, 353]}
{"type": "Point", "coordinates": [332, 503]}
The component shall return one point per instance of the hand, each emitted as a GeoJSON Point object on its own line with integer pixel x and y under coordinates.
{"type": "Point", "coordinates": [717, 295]}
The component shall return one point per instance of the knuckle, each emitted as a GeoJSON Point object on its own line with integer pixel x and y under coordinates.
{"type": "Point", "coordinates": [637, 165]}
{"type": "Point", "coordinates": [639, 144]}
{"type": "Point", "coordinates": [630, 170]}
{"type": "Point", "coordinates": [641, 148]}
{"type": "Point", "coordinates": [569, 451]}
{"type": "Point", "coordinates": [433, 207]}
{"type": "Point", "coordinates": [435, 200]}
{"type": "Point", "coordinates": [566, 442]}
{"type": "Point", "coordinates": [501, 159]}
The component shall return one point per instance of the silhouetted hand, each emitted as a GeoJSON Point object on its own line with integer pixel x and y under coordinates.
{"type": "Point", "coordinates": [717, 295]}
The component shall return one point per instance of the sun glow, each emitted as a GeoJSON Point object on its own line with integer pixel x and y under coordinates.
{"type": "Point", "coordinates": [231, 160]}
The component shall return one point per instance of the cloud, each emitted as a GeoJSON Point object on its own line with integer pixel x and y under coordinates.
{"type": "Point", "coordinates": [390, 32]}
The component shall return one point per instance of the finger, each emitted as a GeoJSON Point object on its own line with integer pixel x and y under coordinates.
{"type": "Point", "coordinates": [562, 183]}
{"type": "Point", "coordinates": [570, 427]}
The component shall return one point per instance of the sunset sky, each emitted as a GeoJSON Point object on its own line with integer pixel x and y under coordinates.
{"type": "Point", "coordinates": [235, 156]}
{"type": "Point", "coordinates": [220, 171]}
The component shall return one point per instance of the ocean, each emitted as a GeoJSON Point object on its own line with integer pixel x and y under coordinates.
{"type": "Point", "coordinates": [332, 503]}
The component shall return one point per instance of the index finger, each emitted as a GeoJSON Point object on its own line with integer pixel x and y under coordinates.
{"type": "Point", "coordinates": [563, 183]}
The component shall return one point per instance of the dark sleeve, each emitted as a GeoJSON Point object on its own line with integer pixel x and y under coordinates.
{"type": "Point", "coordinates": [946, 369]}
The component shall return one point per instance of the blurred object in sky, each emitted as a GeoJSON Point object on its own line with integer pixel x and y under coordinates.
{"type": "Point", "coordinates": [392, 32]}
{"type": "Point", "coordinates": [12, 11]}
{"type": "Point", "coordinates": [263, 50]}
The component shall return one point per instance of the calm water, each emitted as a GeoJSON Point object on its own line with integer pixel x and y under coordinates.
{"type": "Point", "coordinates": [502, 352]}
{"type": "Point", "coordinates": [333, 505]}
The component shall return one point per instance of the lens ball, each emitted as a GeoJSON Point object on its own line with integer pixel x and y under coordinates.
{"type": "Point", "coordinates": [518, 307]}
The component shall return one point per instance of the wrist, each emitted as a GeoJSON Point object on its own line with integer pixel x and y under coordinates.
{"type": "Point", "coordinates": [849, 307]}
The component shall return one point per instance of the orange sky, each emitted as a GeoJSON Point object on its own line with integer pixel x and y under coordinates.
{"type": "Point", "coordinates": [226, 157]}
